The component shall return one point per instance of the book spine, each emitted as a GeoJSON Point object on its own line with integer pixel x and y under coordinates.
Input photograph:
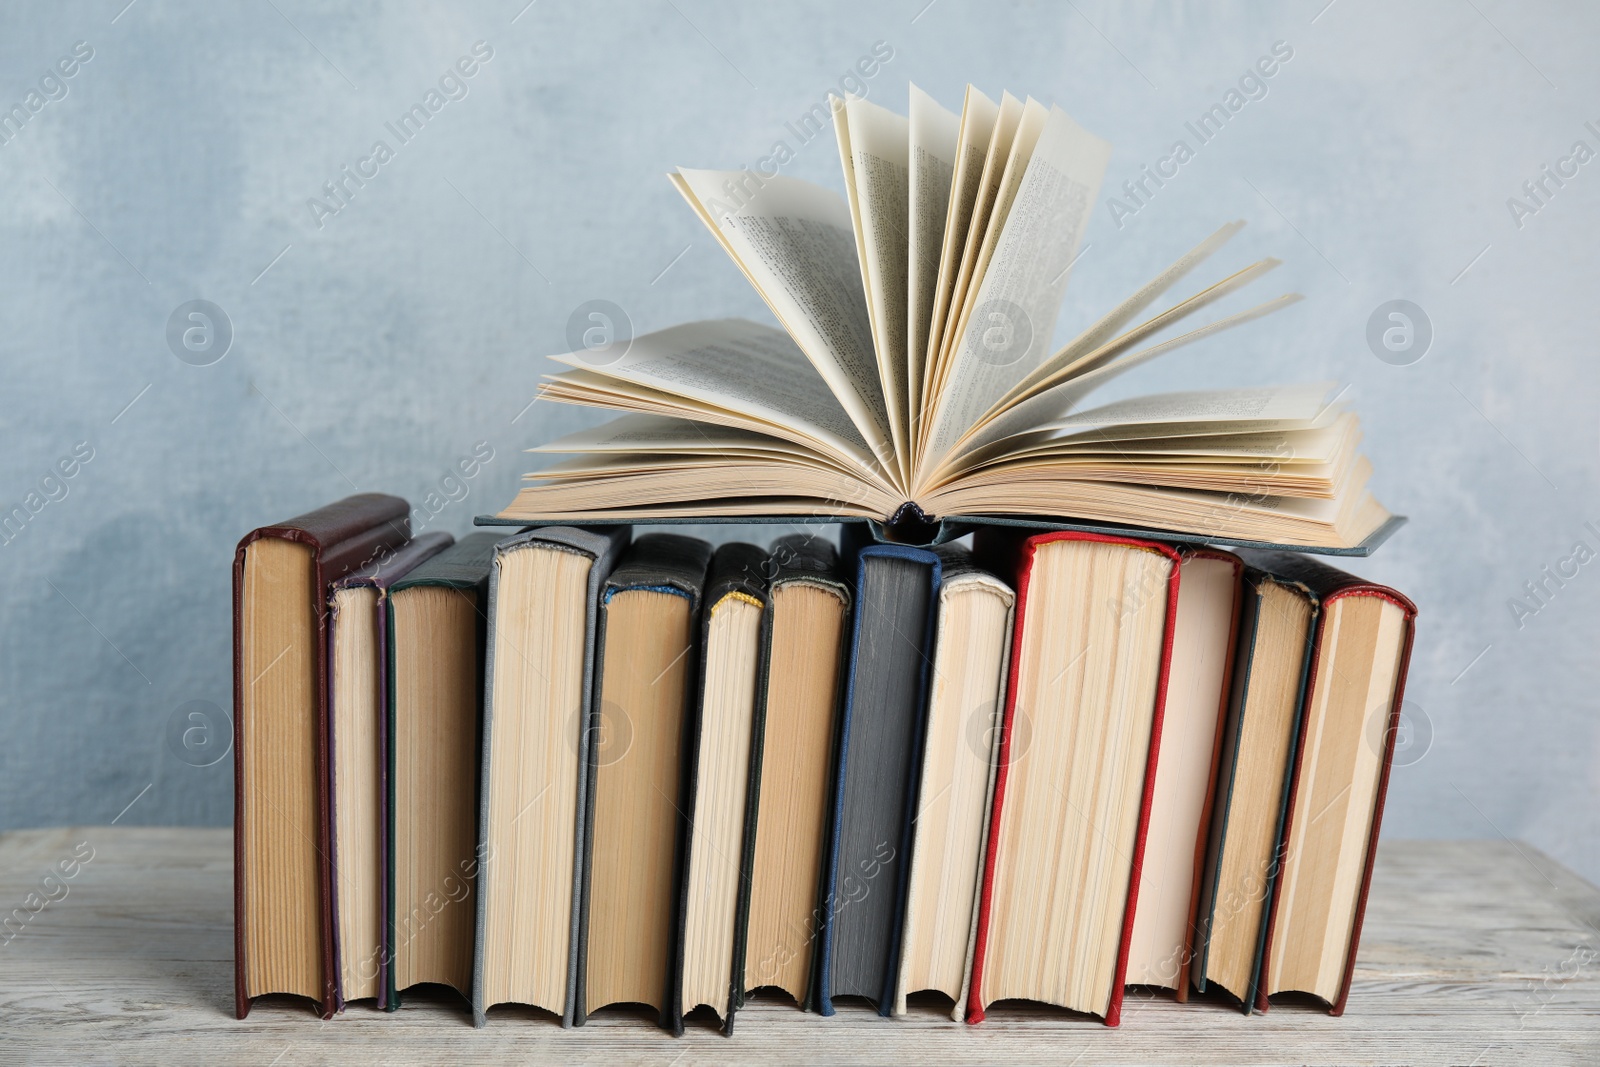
{"type": "Point", "coordinates": [241, 1001]}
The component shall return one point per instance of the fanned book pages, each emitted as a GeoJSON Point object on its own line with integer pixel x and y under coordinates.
{"type": "Point", "coordinates": [914, 376]}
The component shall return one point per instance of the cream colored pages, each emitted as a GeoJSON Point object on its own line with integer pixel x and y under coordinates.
{"type": "Point", "coordinates": [962, 728]}
{"type": "Point", "coordinates": [1043, 408]}
{"type": "Point", "coordinates": [277, 727]}
{"type": "Point", "coordinates": [1301, 404]}
{"type": "Point", "coordinates": [1056, 377]}
{"type": "Point", "coordinates": [1362, 641]}
{"type": "Point", "coordinates": [797, 245]}
{"type": "Point", "coordinates": [1202, 636]}
{"type": "Point", "coordinates": [353, 704]}
{"type": "Point", "coordinates": [874, 145]}
{"type": "Point", "coordinates": [995, 155]}
{"type": "Point", "coordinates": [979, 115]}
{"type": "Point", "coordinates": [745, 367]}
{"type": "Point", "coordinates": [531, 774]}
{"type": "Point", "coordinates": [1022, 286]}
{"type": "Point", "coordinates": [716, 843]}
{"type": "Point", "coordinates": [934, 142]}
{"type": "Point", "coordinates": [1012, 165]}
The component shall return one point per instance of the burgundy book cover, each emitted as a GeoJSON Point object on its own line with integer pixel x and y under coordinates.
{"type": "Point", "coordinates": [379, 575]}
{"type": "Point", "coordinates": [1330, 584]}
{"type": "Point", "coordinates": [1021, 569]}
{"type": "Point", "coordinates": [1216, 763]}
{"type": "Point", "coordinates": [343, 536]}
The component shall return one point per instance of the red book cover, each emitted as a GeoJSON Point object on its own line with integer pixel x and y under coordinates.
{"type": "Point", "coordinates": [1021, 567]}
{"type": "Point", "coordinates": [1331, 585]}
{"type": "Point", "coordinates": [343, 536]}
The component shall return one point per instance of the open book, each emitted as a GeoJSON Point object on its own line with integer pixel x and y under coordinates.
{"type": "Point", "coordinates": [913, 374]}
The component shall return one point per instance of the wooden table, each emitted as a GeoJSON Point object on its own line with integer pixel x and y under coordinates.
{"type": "Point", "coordinates": [1475, 952]}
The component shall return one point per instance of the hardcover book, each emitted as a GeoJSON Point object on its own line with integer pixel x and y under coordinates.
{"type": "Point", "coordinates": [806, 645]}
{"type": "Point", "coordinates": [1350, 720]}
{"type": "Point", "coordinates": [1276, 626]}
{"type": "Point", "coordinates": [713, 907]}
{"type": "Point", "coordinates": [543, 618]}
{"type": "Point", "coordinates": [878, 771]}
{"type": "Point", "coordinates": [645, 671]}
{"type": "Point", "coordinates": [1078, 758]}
{"type": "Point", "coordinates": [282, 829]}
{"type": "Point", "coordinates": [436, 652]}
{"type": "Point", "coordinates": [966, 697]}
{"type": "Point", "coordinates": [1186, 770]}
{"type": "Point", "coordinates": [358, 736]}
{"type": "Point", "coordinates": [914, 377]}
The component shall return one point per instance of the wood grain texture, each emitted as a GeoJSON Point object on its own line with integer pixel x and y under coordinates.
{"type": "Point", "coordinates": [1474, 952]}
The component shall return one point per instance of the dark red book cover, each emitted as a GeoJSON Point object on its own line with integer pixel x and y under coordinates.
{"type": "Point", "coordinates": [1020, 567]}
{"type": "Point", "coordinates": [343, 536]}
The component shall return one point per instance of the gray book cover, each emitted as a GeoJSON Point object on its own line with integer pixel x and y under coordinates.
{"type": "Point", "coordinates": [879, 770]}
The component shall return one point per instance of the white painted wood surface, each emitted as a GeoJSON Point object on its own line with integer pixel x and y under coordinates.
{"type": "Point", "coordinates": [1475, 952]}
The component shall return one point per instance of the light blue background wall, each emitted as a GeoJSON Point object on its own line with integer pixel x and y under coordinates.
{"type": "Point", "coordinates": [376, 350]}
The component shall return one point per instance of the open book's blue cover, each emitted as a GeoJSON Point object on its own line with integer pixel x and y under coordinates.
{"type": "Point", "coordinates": [899, 869]}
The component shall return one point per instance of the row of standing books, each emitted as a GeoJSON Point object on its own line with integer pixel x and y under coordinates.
{"type": "Point", "coordinates": [571, 768]}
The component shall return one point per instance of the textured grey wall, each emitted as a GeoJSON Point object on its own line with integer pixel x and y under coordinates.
{"type": "Point", "coordinates": [376, 343]}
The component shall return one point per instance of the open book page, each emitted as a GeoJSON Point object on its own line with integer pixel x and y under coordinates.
{"type": "Point", "coordinates": [1345, 519]}
{"type": "Point", "coordinates": [664, 433]}
{"type": "Point", "coordinates": [1080, 353]}
{"type": "Point", "coordinates": [1021, 290]}
{"type": "Point", "coordinates": [709, 490]}
{"type": "Point", "coordinates": [932, 161]}
{"type": "Point", "coordinates": [1300, 404]}
{"type": "Point", "coordinates": [979, 115]}
{"type": "Point", "coordinates": [1029, 128]}
{"type": "Point", "coordinates": [1299, 447]}
{"type": "Point", "coordinates": [796, 243]}
{"type": "Point", "coordinates": [1288, 440]}
{"type": "Point", "coordinates": [1057, 400]}
{"type": "Point", "coordinates": [1212, 443]}
{"type": "Point", "coordinates": [874, 143]}
{"type": "Point", "coordinates": [996, 153]}
{"type": "Point", "coordinates": [1042, 380]}
{"type": "Point", "coordinates": [744, 367]}
{"type": "Point", "coordinates": [609, 464]}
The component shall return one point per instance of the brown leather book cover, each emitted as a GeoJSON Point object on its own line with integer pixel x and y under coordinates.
{"type": "Point", "coordinates": [343, 536]}
{"type": "Point", "coordinates": [1330, 584]}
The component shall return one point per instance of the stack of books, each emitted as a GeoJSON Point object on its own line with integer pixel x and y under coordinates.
{"type": "Point", "coordinates": [1041, 704]}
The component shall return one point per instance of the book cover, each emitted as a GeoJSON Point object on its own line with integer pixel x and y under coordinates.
{"type": "Point", "coordinates": [673, 565]}
{"type": "Point", "coordinates": [1015, 558]}
{"type": "Point", "coordinates": [603, 547]}
{"type": "Point", "coordinates": [378, 575]}
{"type": "Point", "coordinates": [1331, 585]}
{"type": "Point", "coordinates": [1212, 898]}
{"type": "Point", "coordinates": [738, 572]}
{"type": "Point", "coordinates": [341, 537]}
{"type": "Point", "coordinates": [464, 568]}
{"type": "Point", "coordinates": [879, 763]}
{"type": "Point", "coordinates": [803, 566]}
